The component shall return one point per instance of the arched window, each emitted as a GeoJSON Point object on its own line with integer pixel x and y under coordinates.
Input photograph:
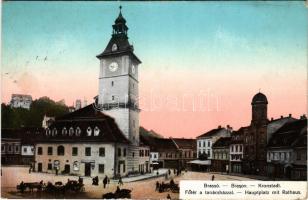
{"type": "Point", "coordinates": [60, 150]}
{"type": "Point", "coordinates": [71, 131]}
{"type": "Point", "coordinates": [78, 131]}
{"type": "Point", "coordinates": [96, 131]}
{"type": "Point", "coordinates": [54, 131]}
{"type": "Point", "coordinates": [89, 131]}
{"type": "Point", "coordinates": [64, 131]}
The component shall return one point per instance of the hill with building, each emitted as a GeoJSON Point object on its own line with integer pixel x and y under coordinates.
{"type": "Point", "coordinates": [12, 117]}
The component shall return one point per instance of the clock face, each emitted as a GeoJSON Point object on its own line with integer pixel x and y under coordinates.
{"type": "Point", "coordinates": [113, 66]}
{"type": "Point", "coordinates": [133, 69]}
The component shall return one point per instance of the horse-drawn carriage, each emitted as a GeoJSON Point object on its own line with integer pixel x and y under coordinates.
{"type": "Point", "coordinates": [30, 186]}
{"type": "Point", "coordinates": [164, 187]}
{"type": "Point", "coordinates": [118, 194]}
{"type": "Point", "coordinates": [57, 188]}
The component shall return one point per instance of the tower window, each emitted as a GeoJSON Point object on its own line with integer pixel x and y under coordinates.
{"type": "Point", "coordinates": [112, 98]}
{"type": "Point", "coordinates": [112, 83]}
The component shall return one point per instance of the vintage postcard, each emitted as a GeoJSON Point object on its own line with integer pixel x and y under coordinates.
{"type": "Point", "coordinates": [154, 100]}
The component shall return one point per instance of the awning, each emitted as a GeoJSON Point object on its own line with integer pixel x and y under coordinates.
{"type": "Point", "coordinates": [200, 162]}
{"type": "Point", "coordinates": [155, 163]}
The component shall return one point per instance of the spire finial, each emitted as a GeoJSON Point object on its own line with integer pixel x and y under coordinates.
{"type": "Point", "coordinates": [120, 8]}
{"type": "Point", "coordinates": [259, 90]}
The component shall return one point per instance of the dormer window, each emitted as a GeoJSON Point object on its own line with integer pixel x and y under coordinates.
{"type": "Point", "coordinates": [114, 47]}
{"type": "Point", "coordinates": [71, 131]}
{"type": "Point", "coordinates": [78, 131]}
{"type": "Point", "coordinates": [96, 131]}
{"type": "Point", "coordinates": [89, 131]}
{"type": "Point", "coordinates": [48, 131]}
{"type": "Point", "coordinates": [64, 131]}
{"type": "Point", "coordinates": [54, 131]}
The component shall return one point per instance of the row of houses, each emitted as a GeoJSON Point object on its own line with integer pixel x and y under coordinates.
{"type": "Point", "coordinates": [276, 148]}
{"type": "Point", "coordinates": [18, 145]}
{"type": "Point", "coordinates": [170, 152]}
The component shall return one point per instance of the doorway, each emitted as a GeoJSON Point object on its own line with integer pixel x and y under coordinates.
{"type": "Point", "coordinates": [67, 169]}
{"type": "Point", "coordinates": [87, 169]}
{"type": "Point", "coordinates": [39, 167]}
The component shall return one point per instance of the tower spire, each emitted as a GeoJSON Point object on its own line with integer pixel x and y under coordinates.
{"type": "Point", "coordinates": [119, 27]}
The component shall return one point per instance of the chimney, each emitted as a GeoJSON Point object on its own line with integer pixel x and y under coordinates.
{"type": "Point", "coordinates": [304, 116]}
{"type": "Point", "coordinates": [219, 126]}
{"type": "Point", "coordinates": [290, 115]}
{"type": "Point", "coordinates": [281, 117]}
{"type": "Point", "coordinates": [272, 119]}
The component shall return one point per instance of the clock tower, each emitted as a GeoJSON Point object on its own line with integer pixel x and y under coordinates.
{"type": "Point", "coordinates": [118, 81]}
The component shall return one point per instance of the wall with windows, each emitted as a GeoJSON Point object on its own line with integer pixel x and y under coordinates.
{"type": "Point", "coordinates": [101, 157]}
{"type": "Point", "coordinates": [236, 152]}
{"type": "Point", "coordinates": [281, 155]}
{"type": "Point", "coordinates": [154, 156]}
{"type": "Point", "coordinates": [221, 153]}
{"type": "Point", "coordinates": [27, 150]}
{"type": "Point", "coordinates": [204, 146]}
{"type": "Point", "coordinates": [144, 159]}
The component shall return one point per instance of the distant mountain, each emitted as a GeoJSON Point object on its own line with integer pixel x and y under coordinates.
{"type": "Point", "coordinates": [149, 133]}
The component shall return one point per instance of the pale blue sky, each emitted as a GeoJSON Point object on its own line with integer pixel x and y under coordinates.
{"type": "Point", "coordinates": [231, 48]}
{"type": "Point", "coordinates": [183, 32]}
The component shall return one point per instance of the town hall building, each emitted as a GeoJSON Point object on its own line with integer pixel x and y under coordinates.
{"type": "Point", "coordinates": [102, 138]}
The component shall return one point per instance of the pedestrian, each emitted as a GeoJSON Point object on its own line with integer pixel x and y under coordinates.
{"type": "Point", "coordinates": [172, 182]}
{"type": "Point", "coordinates": [56, 171]}
{"type": "Point", "coordinates": [80, 180]}
{"type": "Point", "coordinates": [169, 172]}
{"type": "Point", "coordinates": [213, 177]}
{"type": "Point", "coordinates": [105, 181]}
{"type": "Point", "coordinates": [120, 181]}
{"type": "Point", "coordinates": [157, 186]}
{"type": "Point", "coordinates": [174, 171]}
{"type": "Point", "coordinates": [168, 196]}
{"type": "Point", "coordinates": [118, 190]}
{"type": "Point", "coordinates": [157, 173]}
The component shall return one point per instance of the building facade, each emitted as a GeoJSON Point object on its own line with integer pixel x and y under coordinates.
{"type": "Point", "coordinates": [206, 140]}
{"type": "Point", "coordinates": [287, 151]}
{"type": "Point", "coordinates": [21, 101]}
{"type": "Point", "coordinates": [237, 150]}
{"type": "Point", "coordinates": [221, 155]}
{"type": "Point", "coordinates": [85, 143]}
{"type": "Point", "coordinates": [10, 147]}
{"type": "Point", "coordinates": [172, 153]}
